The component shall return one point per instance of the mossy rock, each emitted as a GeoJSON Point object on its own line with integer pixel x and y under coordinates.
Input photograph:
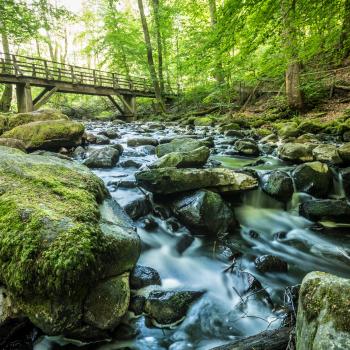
{"type": "Point", "coordinates": [229, 127]}
{"type": "Point", "coordinates": [59, 236]}
{"type": "Point", "coordinates": [49, 135]}
{"type": "Point", "coordinates": [36, 116]}
{"type": "Point", "coordinates": [263, 132]}
{"type": "Point", "coordinates": [3, 123]}
{"type": "Point", "coordinates": [310, 126]}
{"type": "Point", "coordinates": [286, 130]}
{"type": "Point", "coordinates": [13, 143]}
{"type": "Point", "coordinates": [179, 145]}
{"type": "Point", "coordinates": [323, 318]}
{"type": "Point", "coordinates": [204, 121]}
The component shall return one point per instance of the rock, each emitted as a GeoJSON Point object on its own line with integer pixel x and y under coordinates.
{"type": "Point", "coordinates": [36, 116]}
{"type": "Point", "coordinates": [204, 212]}
{"type": "Point", "coordinates": [130, 163]}
{"type": "Point", "coordinates": [323, 313]}
{"type": "Point", "coordinates": [143, 276]}
{"type": "Point", "coordinates": [344, 152]}
{"type": "Point", "coordinates": [142, 141]}
{"type": "Point", "coordinates": [247, 147]}
{"type": "Point", "coordinates": [234, 133]}
{"type": "Point", "coordinates": [60, 238]}
{"type": "Point", "coordinates": [107, 303]}
{"type": "Point", "coordinates": [8, 309]}
{"type": "Point", "coordinates": [307, 138]}
{"type": "Point", "coordinates": [272, 138]}
{"type": "Point", "coordinates": [179, 145]}
{"type": "Point", "coordinates": [13, 143]}
{"type": "Point", "coordinates": [137, 304]}
{"type": "Point", "coordinates": [289, 130]}
{"type": "Point", "coordinates": [79, 153]}
{"type": "Point", "coordinates": [106, 157]}
{"type": "Point", "coordinates": [110, 133]}
{"type": "Point", "coordinates": [101, 140]}
{"type": "Point", "coordinates": [90, 138]}
{"type": "Point", "coordinates": [204, 121]}
{"type": "Point", "coordinates": [331, 209]}
{"type": "Point", "coordinates": [195, 158]}
{"type": "Point", "coordinates": [345, 174]}
{"type": "Point", "coordinates": [313, 178]}
{"type": "Point", "coordinates": [278, 184]}
{"type": "Point", "coordinates": [184, 243]}
{"type": "Point", "coordinates": [3, 123]}
{"type": "Point", "coordinates": [270, 263]}
{"type": "Point", "coordinates": [327, 153]}
{"type": "Point", "coordinates": [296, 152]}
{"type": "Point", "coordinates": [169, 307]}
{"type": "Point", "coordinates": [346, 136]}
{"type": "Point", "coordinates": [172, 180]}
{"type": "Point", "coordinates": [48, 135]}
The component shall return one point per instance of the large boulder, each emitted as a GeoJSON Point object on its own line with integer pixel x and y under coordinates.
{"type": "Point", "coordinates": [278, 184]}
{"type": "Point", "coordinates": [3, 123]}
{"type": "Point", "coordinates": [172, 180]}
{"type": "Point", "coordinates": [323, 317]}
{"type": "Point", "coordinates": [195, 158]}
{"type": "Point", "coordinates": [61, 237]}
{"type": "Point", "coordinates": [143, 276]}
{"type": "Point", "coordinates": [36, 116]}
{"type": "Point", "coordinates": [289, 130]}
{"type": "Point", "coordinates": [313, 178]}
{"type": "Point", "coordinates": [179, 145]}
{"type": "Point", "coordinates": [205, 212]}
{"type": "Point", "coordinates": [106, 157]}
{"type": "Point", "coordinates": [296, 152]}
{"type": "Point", "coordinates": [49, 135]}
{"type": "Point", "coordinates": [327, 153]}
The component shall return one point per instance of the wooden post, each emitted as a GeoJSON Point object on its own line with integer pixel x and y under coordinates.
{"type": "Point", "coordinates": [72, 73]}
{"type": "Point", "coordinates": [129, 103]}
{"type": "Point", "coordinates": [46, 70]}
{"type": "Point", "coordinates": [24, 98]}
{"type": "Point", "coordinates": [94, 75]}
{"type": "Point", "coordinates": [114, 81]}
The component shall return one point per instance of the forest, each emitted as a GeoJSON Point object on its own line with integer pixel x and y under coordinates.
{"type": "Point", "coordinates": [174, 174]}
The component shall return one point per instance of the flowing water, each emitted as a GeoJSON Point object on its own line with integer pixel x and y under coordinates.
{"type": "Point", "coordinates": [225, 311]}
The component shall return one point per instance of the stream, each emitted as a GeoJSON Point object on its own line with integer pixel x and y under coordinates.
{"type": "Point", "coordinates": [267, 227]}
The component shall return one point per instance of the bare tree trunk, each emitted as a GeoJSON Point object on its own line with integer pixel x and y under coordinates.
{"type": "Point", "coordinates": [150, 60]}
{"type": "Point", "coordinates": [159, 45]}
{"type": "Point", "coordinates": [344, 40]}
{"type": "Point", "coordinates": [218, 74]}
{"type": "Point", "coordinates": [65, 50]}
{"type": "Point", "coordinates": [6, 98]}
{"type": "Point", "coordinates": [292, 78]}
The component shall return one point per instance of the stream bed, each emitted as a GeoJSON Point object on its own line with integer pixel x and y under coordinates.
{"type": "Point", "coordinates": [267, 226]}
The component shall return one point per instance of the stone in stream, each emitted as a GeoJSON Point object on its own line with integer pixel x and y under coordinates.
{"type": "Point", "coordinates": [278, 184]}
{"type": "Point", "coordinates": [247, 147]}
{"type": "Point", "coordinates": [137, 304]}
{"type": "Point", "coordinates": [110, 133]}
{"type": "Point", "coordinates": [61, 237]}
{"type": "Point", "coordinates": [313, 178]}
{"type": "Point", "coordinates": [130, 163]}
{"type": "Point", "coordinates": [234, 133]}
{"type": "Point", "coordinates": [345, 174]}
{"type": "Point", "coordinates": [169, 307]}
{"type": "Point", "coordinates": [195, 158]}
{"type": "Point", "coordinates": [270, 263]}
{"type": "Point", "coordinates": [172, 180]}
{"type": "Point", "coordinates": [106, 157]}
{"type": "Point", "coordinates": [179, 145]}
{"type": "Point", "coordinates": [142, 141]}
{"type": "Point", "coordinates": [79, 153]}
{"type": "Point", "coordinates": [344, 152]}
{"type": "Point", "coordinates": [101, 140]}
{"type": "Point", "coordinates": [327, 153]}
{"type": "Point", "coordinates": [143, 276]}
{"type": "Point", "coordinates": [296, 152]}
{"type": "Point", "coordinates": [326, 209]}
{"type": "Point", "coordinates": [48, 135]}
{"type": "Point", "coordinates": [205, 212]}
{"type": "Point", "coordinates": [323, 317]}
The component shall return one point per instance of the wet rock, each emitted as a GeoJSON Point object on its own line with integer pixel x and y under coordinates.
{"type": "Point", "coordinates": [272, 138]}
{"type": "Point", "coordinates": [296, 152]}
{"type": "Point", "coordinates": [79, 153]}
{"type": "Point", "coordinates": [90, 138]}
{"type": "Point", "coordinates": [313, 178]}
{"type": "Point", "coordinates": [327, 153]}
{"type": "Point", "coordinates": [135, 205]}
{"type": "Point", "coordinates": [118, 147]}
{"type": "Point", "coordinates": [137, 304]}
{"type": "Point", "coordinates": [143, 276]}
{"type": "Point", "coordinates": [172, 180]}
{"type": "Point", "coordinates": [169, 307]}
{"type": "Point", "coordinates": [184, 243]}
{"type": "Point", "coordinates": [87, 333]}
{"type": "Point", "coordinates": [204, 212]}
{"type": "Point", "coordinates": [173, 224]}
{"type": "Point", "coordinates": [179, 145]}
{"type": "Point", "coordinates": [107, 303]}
{"type": "Point", "coordinates": [307, 138]}
{"type": "Point", "coordinates": [234, 133]}
{"type": "Point", "coordinates": [247, 147]}
{"type": "Point", "coordinates": [344, 152]}
{"type": "Point", "coordinates": [13, 143]}
{"type": "Point", "coordinates": [102, 140]}
{"type": "Point", "coordinates": [270, 263]}
{"type": "Point", "coordinates": [149, 224]}
{"type": "Point", "coordinates": [110, 133]}
{"type": "Point", "coordinates": [106, 157]}
{"type": "Point", "coordinates": [195, 158]}
{"type": "Point", "coordinates": [323, 313]}
{"type": "Point", "coordinates": [148, 149]}
{"type": "Point", "coordinates": [331, 209]}
{"type": "Point", "coordinates": [278, 184]}
{"type": "Point", "coordinates": [345, 174]}
{"type": "Point", "coordinates": [346, 136]}
{"type": "Point", "coordinates": [130, 163]}
{"type": "Point", "coordinates": [142, 141]}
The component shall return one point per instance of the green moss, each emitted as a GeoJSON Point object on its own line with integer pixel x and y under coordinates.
{"type": "Point", "coordinates": [263, 132]}
{"type": "Point", "coordinates": [3, 123]}
{"type": "Point", "coordinates": [204, 121]}
{"type": "Point", "coordinates": [313, 126]}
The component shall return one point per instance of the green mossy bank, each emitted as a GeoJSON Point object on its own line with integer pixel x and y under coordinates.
{"type": "Point", "coordinates": [60, 236]}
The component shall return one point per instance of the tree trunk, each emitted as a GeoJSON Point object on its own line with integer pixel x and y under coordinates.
{"type": "Point", "coordinates": [218, 74]}
{"type": "Point", "coordinates": [290, 40]}
{"type": "Point", "coordinates": [344, 40]}
{"type": "Point", "coordinates": [6, 98]}
{"type": "Point", "coordinates": [150, 60]}
{"type": "Point", "coordinates": [159, 45]}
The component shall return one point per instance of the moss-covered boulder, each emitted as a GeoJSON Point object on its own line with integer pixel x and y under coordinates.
{"type": "Point", "coordinates": [173, 180]}
{"type": "Point", "coordinates": [204, 121]}
{"type": "Point", "coordinates": [344, 152]}
{"type": "Point", "coordinates": [288, 130]}
{"type": "Point", "coordinates": [327, 153]}
{"type": "Point", "coordinates": [296, 152]}
{"type": "Point", "coordinates": [49, 135]}
{"type": "Point", "coordinates": [179, 145]}
{"type": "Point", "coordinates": [278, 184]}
{"type": "Point", "coordinates": [195, 158]}
{"type": "Point", "coordinates": [36, 116]}
{"type": "Point", "coordinates": [323, 318]}
{"type": "Point", "coordinates": [3, 123]}
{"type": "Point", "coordinates": [59, 238]}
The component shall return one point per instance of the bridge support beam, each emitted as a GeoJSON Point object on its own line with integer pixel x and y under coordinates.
{"type": "Point", "coordinates": [24, 98]}
{"type": "Point", "coordinates": [129, 103]}
{"type": "Point", "coordinates": [43, 97]}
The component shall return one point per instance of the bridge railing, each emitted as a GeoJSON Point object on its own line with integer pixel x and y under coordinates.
{"type": "Point", "coordinates": [24, 66]}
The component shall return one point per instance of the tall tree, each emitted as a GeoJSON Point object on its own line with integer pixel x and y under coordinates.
{"type": "Point", "coordinates": [6, 98]}
{"type": "Point", "coordinates": [344, 40]}
{"type": "Point", "coordinates": [150, 59]}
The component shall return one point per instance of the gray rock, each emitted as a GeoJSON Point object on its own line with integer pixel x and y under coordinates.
{"type": "Point", "coordinates": [142, 141]}
{"type": "Point", "coordinates": [278, 184]}
{"type": "Point", "coordinates": [344, 152]}
{"type": "Point", "coordinates": [106, 157]}
{"type": "Point", "coordinates": [296, 152]}
{"type": "Point", "coordinates": [130, 163]}
{"type": "Point", "coordinates": [110, 133]}
{"type": "Point", "coordinates": [270, 263]}
{"type": "Point", "coordinates": [102, 140]}
{"type": "Point", "coordinates": [79, 153]}
{"type": "Point", "coordinates": [327, 153]}
{"type": "Point", "coordinates": [247, 147]}
{"type": "Point", "coordinates": [179, 145]}
{"type": "Point", "coordinates": [143, 276]}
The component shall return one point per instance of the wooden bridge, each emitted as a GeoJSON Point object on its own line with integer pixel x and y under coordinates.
{"type": "Point", "coordinates": [26, 72]}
